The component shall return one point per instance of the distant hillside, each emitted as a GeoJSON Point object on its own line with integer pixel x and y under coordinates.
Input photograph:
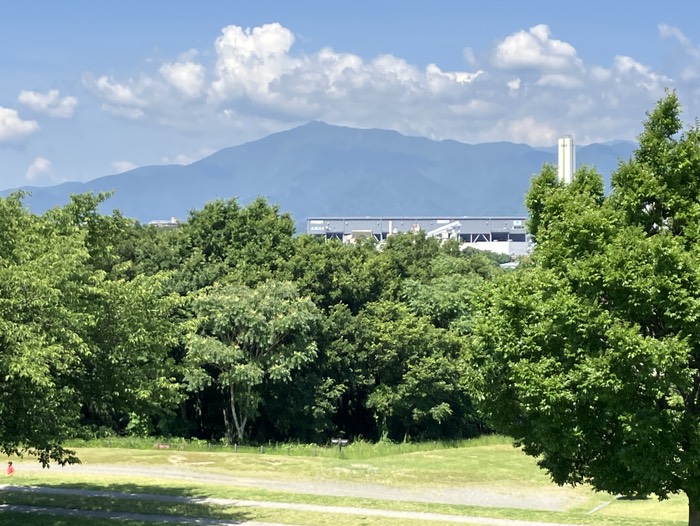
{"type": "Point", "coordinates": [320, 170]}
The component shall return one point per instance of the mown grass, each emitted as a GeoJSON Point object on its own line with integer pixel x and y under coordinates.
{"type": "Point", "coordinates": [355, 450]}
{"type": "Point", "coordinates": [490, 463]}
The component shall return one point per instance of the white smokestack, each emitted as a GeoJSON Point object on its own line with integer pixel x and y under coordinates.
{"type": "Point", "coordinates": [567, 159]}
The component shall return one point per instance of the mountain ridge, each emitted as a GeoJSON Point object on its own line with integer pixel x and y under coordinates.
{"type": "Point", "coordinates": [319, 169]}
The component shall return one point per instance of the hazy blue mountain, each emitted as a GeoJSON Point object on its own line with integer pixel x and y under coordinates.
{"type": "Point", "coordinates": [323, 170]}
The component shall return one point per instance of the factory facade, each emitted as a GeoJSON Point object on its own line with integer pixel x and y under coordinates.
{"type": "Point", "coordinates": [504, 235]}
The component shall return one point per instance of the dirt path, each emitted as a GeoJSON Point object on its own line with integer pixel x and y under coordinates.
{"type": "Point", "coordinates": [170, 519]}
{"type": "Point", "coordinates": [363, 512]}
{"type": "Point", "coordinates": [551, 500]}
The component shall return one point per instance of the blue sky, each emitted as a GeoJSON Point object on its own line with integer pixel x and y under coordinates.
{"type": "Point", "coordinates": [96, 88]}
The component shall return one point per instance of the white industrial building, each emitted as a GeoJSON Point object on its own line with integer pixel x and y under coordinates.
{"type": "Point", "coordinates": [503, 235]}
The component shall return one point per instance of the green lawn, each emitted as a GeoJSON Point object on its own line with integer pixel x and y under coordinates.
{"type": "Point", "coordinates": [493, 465]}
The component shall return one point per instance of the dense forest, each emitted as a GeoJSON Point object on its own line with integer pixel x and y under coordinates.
{"type": "Point", "coordinates": [229, 328]}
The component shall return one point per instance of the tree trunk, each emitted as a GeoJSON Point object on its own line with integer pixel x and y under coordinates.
{"type": "Point", "coordinates": [693, 511]}
{"type": "Point", "coordinates": [237, 421]}
{"type": "Point", "coordinates": [227, 428]}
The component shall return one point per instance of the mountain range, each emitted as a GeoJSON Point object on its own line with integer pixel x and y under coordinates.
{"type": "Point", "coordinates": [324, 170]}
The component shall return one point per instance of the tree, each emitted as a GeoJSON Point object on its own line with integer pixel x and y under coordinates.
{"type": "Point", "coordinates": [415, 377]}
{"type": "Point", "coordinates": [590, 357]}
{"type": "Point", "coordinates": [247, 337]}
{"type": "Point", "coordinates": [127, 378]}
{"type": "Point", "coordinates": [41, 270]}
{"type": "Point", "coordinates": [332, 272]}
{"type": "Point", "coordinates": [76, 347]}
{"type": "Point", "coordinates": [248, 244]}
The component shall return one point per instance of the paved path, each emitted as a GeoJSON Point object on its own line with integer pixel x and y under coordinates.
{"type": "Point", "coordinates": [344, 510]}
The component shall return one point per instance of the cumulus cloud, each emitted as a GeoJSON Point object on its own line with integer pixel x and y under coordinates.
{"type": "Point", "coordinates": [249, 60]}
{"type": "Point", "coordinates": [117, 93]}
{"type": "Point", "coordinates": [252, 79]}
{"type": "Point", "coordinates": [14, 128]}
{"type": "Point", "coordinates": [535, 49]}
{"type": "Point", "coordinates": [50, 103]}
{"type": "Point", "coordinates": [40, 168]}
{"type": "Point", "coordinates": [125, 99]}
{"type": "Point", "coordinates": [439, 81]}
{"type": "Point", "coordinates": [123, 166]}
{"type": "Point", "coordinates": [187, 77]}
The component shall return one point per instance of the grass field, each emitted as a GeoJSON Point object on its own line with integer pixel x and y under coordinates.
{"type": "Point", "coordinates": [482, 467]}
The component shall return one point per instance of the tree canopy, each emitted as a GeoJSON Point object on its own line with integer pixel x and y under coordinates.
{"type": "Point", "coordinates": [590, 356]}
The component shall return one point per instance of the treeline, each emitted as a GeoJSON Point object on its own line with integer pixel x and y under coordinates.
{"type": "Point", "coordinates": [229, 328]}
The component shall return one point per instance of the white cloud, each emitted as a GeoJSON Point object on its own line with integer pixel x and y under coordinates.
{"type": "Point", "coordinates": [250, 60]}
{"type": "Point", "coordinates": [471, 108]}
{"type": "Point", "coordinates": [187, 77]}
{"type": "Point", "coordinates": [667, 31]}
{"type": "Point", "coordinates": [184, 159]}
{"type": "Point", "coordinates": [529, 131]}
{"type": "Point", "coordinates": [252, 82]}
{"type": "Point", "coordinates": [439, 80]}
{"type": "Point", "coordinates": [117, 93]}
{"type": "Point", "coordinates": [534, 49]}
{"type": "Point", "coordinates": [469, 56]}
{"type": "Point", "coordinates": [40, 168]}
{"type": "Point", "coordinates": [690, 72]}
{"type": "Point", "coordinates": [50, 103]}
{"type": "Point", "coordinates": [123, 166]}
{"type": "Point", "coordinates": [13, 128]}
{"type": "Point", "coordinates": [600, 74]}
{"type": "Point", "coordinates": [180, 158]}
{"type": "Point", "coordinates": [513, 85]}
{"type": "Point", "coordinates": [558, 80]}
{"type": "Point", "coordinates": [642, 76]}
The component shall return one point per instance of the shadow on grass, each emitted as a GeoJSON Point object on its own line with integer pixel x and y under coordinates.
{"type": "Point", "coordinates": [120, 498]}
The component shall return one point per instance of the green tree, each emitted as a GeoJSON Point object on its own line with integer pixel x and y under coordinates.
{"type": "Point", "coordinates": [246, 338]}
{"type": "Point", "coordinates": [406, 373]}
{"type": "Point", "coordinates": [127, 377]}
{"type": "Point", "coordinates": [41, 270]}
{"type": "Point", "coordinates": [590, 357]}
{"type": "Point", "coordinates": [243, 244]}
{"type": "Point", "coordinates": [77, 344]}
{"type": "Point", "coordinates": [331, 272]}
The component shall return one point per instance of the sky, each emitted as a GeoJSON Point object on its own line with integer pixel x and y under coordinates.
{"type": "Point", "coordinates": [92, 88]}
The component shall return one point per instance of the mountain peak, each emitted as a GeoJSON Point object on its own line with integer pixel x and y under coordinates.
{"type": "Point", "coordinates": [322, 169]}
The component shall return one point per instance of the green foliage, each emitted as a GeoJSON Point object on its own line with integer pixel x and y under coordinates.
{"type": "Point", "coordinates": [247, 337]}
{"type": "Point", "coordinates": [240, 244]}
{"type": "Point", "coordinates": [76, 346]}
{"type": "Point", "coordinates": [590, 357]}
{"type": "Point", "coordinates": [332, 273]}
{"type": "Point", "coordinates": [112, 328]}
{"type": "Point", "coordinates": [41, 271]}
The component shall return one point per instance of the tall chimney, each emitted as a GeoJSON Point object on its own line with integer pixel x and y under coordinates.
{"type": "Point", "coordinates": [567, 159]}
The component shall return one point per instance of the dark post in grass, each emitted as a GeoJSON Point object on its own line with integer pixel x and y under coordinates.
{"type": "Point", "coordinates": [340, 442]}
